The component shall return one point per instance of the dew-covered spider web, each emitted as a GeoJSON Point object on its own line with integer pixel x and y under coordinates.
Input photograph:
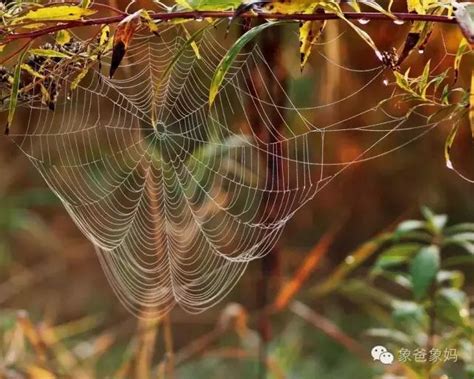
{"type": "Point", "coordinates": [178, 197]}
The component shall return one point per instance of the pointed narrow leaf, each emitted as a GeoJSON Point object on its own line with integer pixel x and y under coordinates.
{"type": "Point", "coordinates": [14, 92]}
{"type": "Point", "coordinates": [310, 31]}
{"type": "Point", "coordinates": [232, 54]}
{"type": "Point", "coordinates": [56, 13]}
{"type": "Point", "coordinates": [448, 144]}
{"type": "Point", "coordinates": [49, 53]}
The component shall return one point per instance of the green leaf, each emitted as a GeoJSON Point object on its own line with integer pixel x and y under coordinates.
{"type": "Point", "coordinates": [15, 88]}
{"type": "Point", "coordinates": [460, 228]}
{"type": "Point", "coordinates": [423, 270]}
{"type": "Point", "coordinates": [454, 278]}
{"type": "Point", "coordinates": [396, 255]}
{"type": "Point", "coordinates": [231, 55]}
{"type": "Point", "coordinates": [465, 16]}
{"type": "Point", "coordinates": [463, 244]}
{"type": "Point", "coordinates": [451, 304]}
{"type": "Point", "coordinates": [435, 222]}
{"type": "Point", "coordinates": [408, 312]}
{"type": "Point", "coordinates": [410, 225]}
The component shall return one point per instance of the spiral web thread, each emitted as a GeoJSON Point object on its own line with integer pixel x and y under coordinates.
{"type": "Point", "coordinates": [176, 196]}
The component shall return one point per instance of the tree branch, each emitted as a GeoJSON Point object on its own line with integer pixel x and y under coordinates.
{"type": "Point", "coordinates": [166, 16]}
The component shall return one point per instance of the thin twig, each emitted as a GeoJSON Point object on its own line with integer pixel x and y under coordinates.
{"type": "Point", "coordinates": [329, 328]}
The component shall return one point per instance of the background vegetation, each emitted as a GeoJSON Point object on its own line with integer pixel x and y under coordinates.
{"type": "Point", "coordinates": [372, 260]}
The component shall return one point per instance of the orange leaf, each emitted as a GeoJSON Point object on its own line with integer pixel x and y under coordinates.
{"type": "Point", "coordinates": [122, 37]}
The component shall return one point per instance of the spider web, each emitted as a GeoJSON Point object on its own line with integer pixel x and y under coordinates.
{"type": "Point", "coordinates": [178, 197]}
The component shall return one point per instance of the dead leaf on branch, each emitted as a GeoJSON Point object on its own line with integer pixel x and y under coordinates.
{"type": "Point", "coordinates": [122, 37]}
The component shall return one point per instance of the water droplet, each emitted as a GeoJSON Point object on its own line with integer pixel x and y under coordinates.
{"type": "Point", "coordinates": [349, 260]}
{"type": "Point", "coordinates": [421, 51]}
{"type": "Point", "coordinates": [385, 82]}
{"type": "Point", "coordinates": [398, 22]}
{"type": "Point", "coordinates": [363, 21]}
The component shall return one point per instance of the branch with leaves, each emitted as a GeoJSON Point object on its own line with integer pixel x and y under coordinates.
{"type": "Point", "coordinates": [31, 21]}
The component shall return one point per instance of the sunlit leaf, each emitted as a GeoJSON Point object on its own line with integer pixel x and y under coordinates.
{"type": "Point", "coordinates": [209, 5]}
{"type": "Point", "coordinates": [149, 22]}
{"type": "Point", "coordinates": [310, 31]}
{"type": "Point", "coordinates": [194, 45]}
{"type": "Point", "coordinates": [82, 74]}
{"type": "Point", "coordinates": [455, 278]}
{"type": "Point", "coordinates": [49, 53]}
{"type": "Point", "coordinates": [31, 71]}
{"type": "Point", "coordinates": [462, 50]}
{"type": "Point", "coordinates": [55, 13]}
{"type": "Point", "coordinates": [448, 144]}
{"type": "Point", "coordinates": [63, 37]}
{"type": "Point", "coordinates": [409, 225]}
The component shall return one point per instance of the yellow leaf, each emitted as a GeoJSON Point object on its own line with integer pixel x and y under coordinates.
{"type": "Point", "coordinates": [36, 372]}
{"type": "Point", "coordinates": [30, 71]}
{"type": "Point", "coordinates": [63, 37]}
{"type": "Point", "coordinates": [85, 3]}
{"type": "Point", "coordinates": [309, 34]}
{"type": "Point", "coordinates": [184, 4]}
{"type": "Point", "coordinates": [55, 13]}
{"type": "Point", "coordinates": [194, 45]}
{"type": "Point", "coordinates": [79, 78]}
{"type": "Point", "coordinates": [149, 21]}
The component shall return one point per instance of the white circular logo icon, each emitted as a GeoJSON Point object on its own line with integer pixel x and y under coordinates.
{"type": "Point", "coordinates": [377, 351]}
{"type": "Point", "coordinates": [386, 358]}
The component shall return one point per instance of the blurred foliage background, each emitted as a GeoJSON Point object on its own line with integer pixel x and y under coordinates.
{"type": "Point", "coordinates": [60, 318]}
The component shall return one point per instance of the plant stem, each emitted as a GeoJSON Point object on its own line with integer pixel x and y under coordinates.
{"type": "Point", "coordinates": [166, 16]}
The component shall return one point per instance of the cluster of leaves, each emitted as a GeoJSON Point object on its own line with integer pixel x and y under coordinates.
{"type": "Point", "coordinates": [41, 71]}
{"type": "Point", "coordinates": [424, 262]}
